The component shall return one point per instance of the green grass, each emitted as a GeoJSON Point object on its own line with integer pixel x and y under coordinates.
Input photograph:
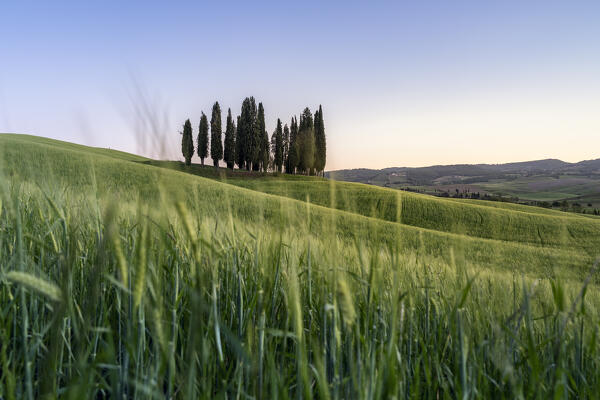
{"type": "Point", "coordinates": [124, 279]}
{"type": "Point", "coordinates": [472, 219]}
{"type": "Point", "coordinates": [545, 188]}
{"type": "Point", "coordinates": [481, 219]}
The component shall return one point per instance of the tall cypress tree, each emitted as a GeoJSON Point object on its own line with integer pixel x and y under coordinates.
{"type": "Point", "coordinates": [286, 145]}
{"type": "Point", "coordinates": [203, 138]}
{"type": "Point", "coordinates": [254, 134]}
{"type": "Point", "coordinates": [229, 152]}
{"type": "Point", "coordinates": [265, 149]}
{"type": "Point", "coordinates": [216, 131]}
{"type": "Point", "coordinates": [239, 157]}
{"type": "Point", "coordinates": [187, 142]}
{"type": "Point", "coordinates": [258, 138]}
{"type": "Point", "coordinates": [278, 153]}
{"type": "Point", "coordinates": [306, 143]}
{"type": "Point", "coordinates": [240, 137]}
{"type": "Point", "coordinates": [320, 142]}
{"type": "Point", "coordinates": [293, 152]}
{"type": "Point", "coordinates": [250, 133]}
{"type": "Point", "coordinates": [316, 133]}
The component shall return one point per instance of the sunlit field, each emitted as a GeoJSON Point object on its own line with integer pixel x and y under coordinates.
{"type": "Point", "coordinates": [123, 277]}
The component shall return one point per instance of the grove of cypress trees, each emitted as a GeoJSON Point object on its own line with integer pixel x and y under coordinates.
{"type": "Point", "coordinates": [299, 148]}
{"type": "Point", "coordinates": [278, 153]}
{"type": "Point", "coordinates": [306, 143]}
{"type": "Point", "coordinates": [187, 142]}
{"type": "Point", "coordinates": [320, 142]}
{"type": "Point", "coordinates": [203, 138]}
{"type": "Point", "coordinates": [216, 145]}
{"type": "Point", "coordinates": [229, 151]}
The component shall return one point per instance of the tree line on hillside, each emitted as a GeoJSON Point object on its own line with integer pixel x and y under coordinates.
{"type": "Point", "coordinates": [298, 148]}
{"type": "Point", "coordinates": [564, 205]}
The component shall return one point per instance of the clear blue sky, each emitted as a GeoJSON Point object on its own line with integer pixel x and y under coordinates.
{"type": "Point", "coordinates": [401, 83]}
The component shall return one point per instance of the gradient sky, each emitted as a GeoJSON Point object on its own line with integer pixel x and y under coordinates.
{"type": "Point", "coordinates": [401, 83]}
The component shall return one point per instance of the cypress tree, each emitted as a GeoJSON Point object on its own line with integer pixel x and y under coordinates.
{"type": "Point", "coordinates": [265, 147]}
{"type": "Point", "coordinates": [278, 152]}
{"type": "Point", "coordinates": [203, 138]}
{"type": "Point", "coordinates": [187, 142]}
{"type": "Point", "coordinates": [293, 152]}
{"type": "Point", "coordinates": [245, 136]}
{"type": "Point", "coordinates": [250, 133]}
{"type": "Point", "coordinates": [258, 142]}
{"type": "Point", "coordinates": [237, 158]}
{"type": "Point", "coordinates": [254, 134]}
{"type": "Point", "coordinates": [229, 152]}
{"type": "Point", "coordinates": [306, 143]}
{"type": "Point", "coordinates": [216, 131]}
{"type": "Point", "coordinates": [320, 142]}
{"type": "Point", "coordinates": [241, 138]}
{"type": "Point", "coordinates": [286, 145]}
{"type": "Point", "coordinates": [316, 133]}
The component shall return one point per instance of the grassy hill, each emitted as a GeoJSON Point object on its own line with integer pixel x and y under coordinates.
{"type": "Point", "coordinates": [127, 277]}
{"type": "Point", "coordinates": [518, 240]}
{"type": "Point", "coordinates": [28, 140]}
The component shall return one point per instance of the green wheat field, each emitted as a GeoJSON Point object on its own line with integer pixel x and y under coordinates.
{"type": "Point", "coordinates": [125, 277]}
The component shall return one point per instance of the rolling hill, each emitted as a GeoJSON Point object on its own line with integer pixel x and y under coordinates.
{"type": "Point", "coordinates": [520, 238]}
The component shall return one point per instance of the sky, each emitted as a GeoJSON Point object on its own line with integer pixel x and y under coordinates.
{"type": "Point", "coordinates": [401, 83]}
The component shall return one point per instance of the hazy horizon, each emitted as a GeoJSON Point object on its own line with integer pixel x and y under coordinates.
{"type": "Point", "coordinates": [400, 84]}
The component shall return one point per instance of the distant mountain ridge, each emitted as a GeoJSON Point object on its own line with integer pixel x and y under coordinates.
{"type": "Point", "coordinates": [455, 173]}
{"type": "Point", "coordinates": [539, 181]}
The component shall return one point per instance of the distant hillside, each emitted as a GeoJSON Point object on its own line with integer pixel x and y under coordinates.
{"type": "Point", "coordinates": [549, 180]}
